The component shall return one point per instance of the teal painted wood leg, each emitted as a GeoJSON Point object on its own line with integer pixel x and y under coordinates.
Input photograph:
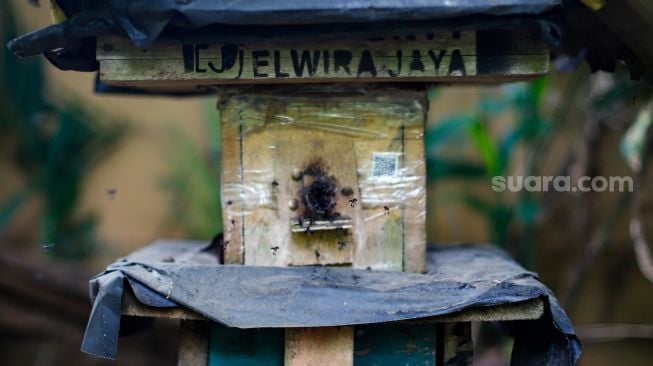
{"type": "Point", "coordinates": [428, 344]}
{"type": "Point", "coordinates": [395, 344]}
{"type": "Point", "coordinates": [235, 347]}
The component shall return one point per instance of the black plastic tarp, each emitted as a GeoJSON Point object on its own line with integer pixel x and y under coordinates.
{"type": "Point", "coordinates": [143, 20]}
{"type": "Point", "coordinates": [70, 44]}
{"type": "Point", "coordinates": [169, 274]}
{"type": "Point", "coordinates": [569, 27]}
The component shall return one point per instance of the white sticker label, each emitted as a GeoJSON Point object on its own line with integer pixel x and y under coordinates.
{"type": "Point", "coordinates": [385, 164]}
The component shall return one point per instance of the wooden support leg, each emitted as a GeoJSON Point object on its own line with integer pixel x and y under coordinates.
{"type": "Point", "coordinates": [193, 343]}
{"type": "Point", "coordinates": [332, 346]}
{"type": "Point", "coordinates": [454, 344]}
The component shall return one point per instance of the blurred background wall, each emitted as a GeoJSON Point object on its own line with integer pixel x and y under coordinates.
{"type": "Point", "coordinates": [137, 214]}
{"type": "Point", "coordinates": [152, 173]}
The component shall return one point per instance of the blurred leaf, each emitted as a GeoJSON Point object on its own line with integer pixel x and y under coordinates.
{"type": "Point", "coordinates": [11, 205]}
{"type": "Point", "coordinates": [530, 129]}
{"type": "Point", "coordinates": [22, 80]}
{"type": "Point", "coordinates": [622, 91]}
{"type": "Point", "coordinates": [486, 147]}
{"type": "Point", "coordinates": [528, 209]}
{"type": "Point", "coordinates": [527, 101]}
{"type": "Point", "coordinates": [498, 217]}
{"type": "Point", "coordinates": [194, 186]}
{"type": "Point", "coordinates": [538, 88]}
{"type": "Point", "coordinates": [78, 143]}
{"type": "Point", "coordinates": [507, 147]}
{"type": "Point", "coordinates": [479, 205]}
{"type": "Point", "coordinates": [633, 142]}
{"type": "Point", "coordinates": [440, 136]}
{"type": "Point", "coordinates": [432, 93]}
{"type": "Point", "coordinates": [442, 168]}
{"type": "Point", "coordinates": [212, 124]}
{"type": "Point", "coordinates": [55, 145]}
{"type": "Point", "coordinates": [493, 104]}
{"type": "Point", "coordinates": [443, 130]}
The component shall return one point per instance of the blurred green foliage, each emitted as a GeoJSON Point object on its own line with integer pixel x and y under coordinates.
{"type": "Point", "coordinates": [193, 181]}
{"type": "Point", "coordinates": [495, 150]}
{"type": "Point", "coordinates": [54, 143]}
{"type": "Point", "coordinates": [518, 148]}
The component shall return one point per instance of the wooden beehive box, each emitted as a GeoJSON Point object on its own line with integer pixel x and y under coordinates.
{"type": "Point", "coordinates": [323, 174]}
{"type": "Point", "coordinates": [319, 175]}
{"type": "Point", "coordinates": [326, 178]}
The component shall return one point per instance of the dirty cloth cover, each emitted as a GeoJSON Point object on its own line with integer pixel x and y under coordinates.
{"type": "Point", "coordinates": [168, 274]}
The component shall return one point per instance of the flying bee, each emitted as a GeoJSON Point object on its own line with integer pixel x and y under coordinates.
{"type": "Point", "coordinates": [341, 245]}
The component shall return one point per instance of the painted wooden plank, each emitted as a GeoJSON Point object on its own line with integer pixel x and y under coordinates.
{"type": "Point", "coordinates": [330, 346]}
{"type": "Point", "coordinates": [234, 347]}
{"type": "Point", "coordinates": [395, 344]}
{"type": "Point", "coordinates": [193, 343]}
{"type": "Point", "coordinates": [466, 55]}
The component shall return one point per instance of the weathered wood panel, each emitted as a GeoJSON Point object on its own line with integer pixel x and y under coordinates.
{"type": "Point", "coordinates": [414, 213]}
{"type": "Point", "coordinates": [369, 147]}
{"type": "Point", "coordinates": [232, 177]}
{"type": "Point", "coordinates": [467, 55]}
{"type": "Point", "coordinates": [332, 346]}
